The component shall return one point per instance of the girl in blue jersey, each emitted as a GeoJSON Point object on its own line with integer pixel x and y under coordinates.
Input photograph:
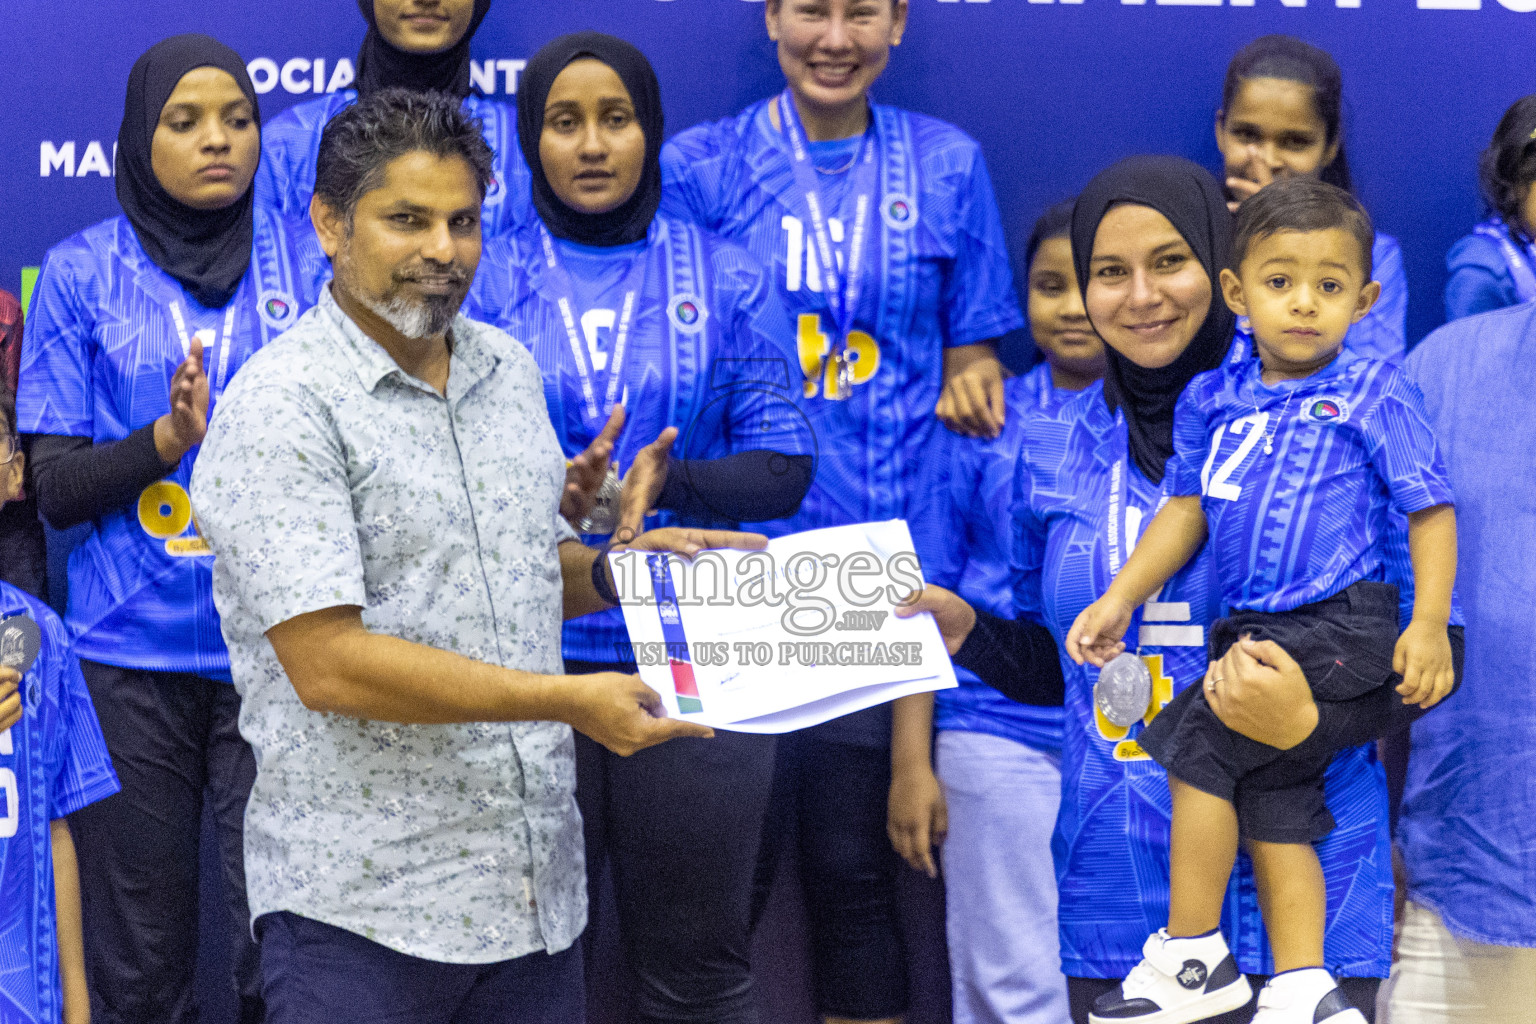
{"type": "Point", "coordinates": [411, 44]}
{"type": "Point", "coordinates": [991, 791]}
{"type": "Point", "coordinates": [885, 245]}
{"type": "Point", "coordinates": [1281, 116]}
{"type": "Point", "coordinates": [1495, 265]}
{"type": "Point", "coordinates": [137, 325]}
{"type": "Point", "coordinates": [1149, 238]}
{"type": "Point", "coordinates": [627, 309]}
{"type": "Point", "coordinates": [52, 762]}
{"type": "Point", "coordinates": [1293, 466]}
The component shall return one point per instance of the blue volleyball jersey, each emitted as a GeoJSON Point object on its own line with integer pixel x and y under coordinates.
{"type": "Point", "coordinates": [963, 531]}
{"type": "Point", "coordinates": [290, 144]}
{"type": "Point", "coordinates": [1383, 332]}
{"type": "Point", "coordinates": [708, 351]}
{"type": "Point", "coordinates": [104, 336]}
{"type": "Point", "coordinates": [52, 763]}
{"type": "Point", "coordinates": [936, 275]}
{"type": "Point", "coordinates": [1080, 504]}
{"type": "Point", "coordinates": [1350, 446]}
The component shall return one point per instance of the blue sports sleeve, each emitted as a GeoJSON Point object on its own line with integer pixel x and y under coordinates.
{"type": "Point", "coordinates": [979, 299]}
{"type": "Point", "coordinates": [1027, 559]}
{"type": "Point", "coordinates": [84, 769]}
{"type": "Point", "coordinates": [1191, 444]}
{"type": "Point", "coordinates": [683, 191]}
{"type": "Point", "coordinates": [938, 529]}
{"type": "Point", "coordinates": [757, 362]}
{"type": "Point", "coordinates": [286, 142]}
{"type": "Point", "coordinates": [1403, 449]}
{"type": "Point", "coordinates": [1382, 333]}
{"type": "Point", "coordinates": [1479, 279]}
{"type": "Point", "coordinates": [55, 395]}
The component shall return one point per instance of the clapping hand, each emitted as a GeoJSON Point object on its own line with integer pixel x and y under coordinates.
{"type": "Point", "coordinates": [182, 429]}
{"type": "Point", "coordinates": [643, 484]}
{"type": "Point", "coordinates": [585, 474]}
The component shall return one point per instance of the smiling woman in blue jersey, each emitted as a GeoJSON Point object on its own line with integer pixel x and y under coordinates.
{"type": "Point", "coordinates": [1149, 236]}
{"type": "Point", "coordinates": [411, 44]}
{"type": "Point", "coordinates": [625, 309]}
{"type": "Point", "coordinates": [885, 245]}
{"type": "Point", "coordinates": [137, 326]}
{"type": "Point", "coordinates": [1282, 115]}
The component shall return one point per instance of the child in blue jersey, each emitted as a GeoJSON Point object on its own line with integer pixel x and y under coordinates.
{"type": "Point", "coordinates": [987, 786]}
{"type": "Point", "coordinates": [1281, 117]}
{"type": "Point", "coordinates": [1495, 265]}
{"type": "Point", "coordinates": [421, 45]}
{"type": "Point", "coordinates": [1292, 465]}
{"type": "Point", "coordinates": [53, 762]}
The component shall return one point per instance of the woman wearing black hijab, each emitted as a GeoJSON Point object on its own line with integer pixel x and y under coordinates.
{"type": "Point", "coordinates": [411, 44]}
{"type": "Point", "coordinates": [624, 308]}
{"type": "Point", "coordinates": [1149, 238]}
{"type": "Point", "coordinates": [137, 325]}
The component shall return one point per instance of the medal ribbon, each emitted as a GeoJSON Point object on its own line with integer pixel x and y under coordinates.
{"type": "Point", "coordinates": [564, 290]}
{"type": "Point", "coordinates": [842, 290]}
{"type": "Point", "coordinates": [676, 640]}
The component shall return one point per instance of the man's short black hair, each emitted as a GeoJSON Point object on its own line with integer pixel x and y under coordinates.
{"type": "Point", "coordinates": [359, 142]}
{"type": "Point", "coordinates": [1302, 204]}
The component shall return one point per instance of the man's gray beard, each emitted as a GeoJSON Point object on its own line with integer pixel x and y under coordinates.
{"type": "Point", "coordinates": [427, 318]}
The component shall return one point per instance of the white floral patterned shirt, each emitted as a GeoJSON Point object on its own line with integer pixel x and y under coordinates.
{"type": "Point", "coordinates": [331, 477]}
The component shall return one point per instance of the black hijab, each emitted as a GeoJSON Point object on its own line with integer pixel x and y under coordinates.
{"type": "Point", "coordinates": [631, 219]}
{"type": "Point", "coordinates": [207, 251]}
{"type": "Point", "coordinates": [1191, 199]}
{"type": "Point", "coordinates": [382, 66]}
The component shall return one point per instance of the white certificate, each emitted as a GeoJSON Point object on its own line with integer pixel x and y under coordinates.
{"type": "Point", "coordinates": [780, 639]}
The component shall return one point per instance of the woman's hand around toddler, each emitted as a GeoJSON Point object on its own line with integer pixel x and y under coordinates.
{"type": "Point", "coordinates": [1097, 632]}
{"type": "Point", "coordinates": [1423, 659]}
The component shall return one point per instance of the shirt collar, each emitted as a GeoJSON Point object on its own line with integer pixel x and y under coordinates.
{"type": "Point", "coordinates": [471, 360]}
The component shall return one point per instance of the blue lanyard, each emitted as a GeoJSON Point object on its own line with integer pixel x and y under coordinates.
{"type": "Point", "coordinates": [842, 290]}
{"type": "Point", "coordinates": [1520, 264]}
{"type": "Point", "coordinates": [559, 282]}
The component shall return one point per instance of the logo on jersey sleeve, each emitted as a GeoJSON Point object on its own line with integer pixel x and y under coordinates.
{"type": "Point", "coordinates": [278, 309]}
{"type": "Point", "coordinates": [899, 211]}
{"type": "Point", "coordinates": [1330, 409]}
{"type": "Point", "coordinates": [687, 313]}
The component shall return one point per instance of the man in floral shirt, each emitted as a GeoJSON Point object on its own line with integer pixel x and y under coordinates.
{"type": "Point", "coordinates": [380, 488]}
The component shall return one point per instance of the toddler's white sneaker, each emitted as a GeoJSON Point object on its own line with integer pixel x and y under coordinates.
{"type": "Point", "coordinates": [1179, 981]}
{"type": "Point", "coordinates": [1305, 996]}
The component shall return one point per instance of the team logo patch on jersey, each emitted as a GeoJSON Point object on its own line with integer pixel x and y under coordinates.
{"type": "Point", "coordinates": [687, 313]}
{"type": "Point", "coordinates": [278, 309]}
{"type": "Point", "coordinates": [898, 211]}
{"type": "Point", "coordinates": [1326, 410]}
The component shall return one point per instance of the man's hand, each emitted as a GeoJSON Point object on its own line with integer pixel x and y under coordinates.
{"type": "Point", "coordinates": [972, 402]}
{"type": "Point", "coordinates": [182, 429]}
{"type": "Point", "coordinates": [1097, 635]}
{"type": "Point", "coordinates": [10, 698]}
{"type": "Point", "coordinates": [917, 818]}
{"type": "Point", "coordinates": [1258, 691]}
{"type": "Point", "coordinates": [623, 714]}
{"type": "Point", "coordinates": [688, 541]}
{"type": "Point", "coordinates": [954, 616]}
{"type": "Point", "coordinates": [1423, 659]}
{"type": "Point", "coordinates": [643, 483]}
{"type": "Point", "coordinates": [585, 475]}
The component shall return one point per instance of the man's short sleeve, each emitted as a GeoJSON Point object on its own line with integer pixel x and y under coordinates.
{"type": "Point", "coordinates": [84, 771]}
{"type": "Point", "coordinates": [272, 498]}
{"type": "Point", "coordinates": [1191, 444]}
{"type": "Point", "coordinates": [1403, 448]}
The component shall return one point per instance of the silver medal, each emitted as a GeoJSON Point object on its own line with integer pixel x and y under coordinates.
{"type": "Point", "coordinates": [1124, 690]}
{"type": "Point", "coordinates": [604, 516]}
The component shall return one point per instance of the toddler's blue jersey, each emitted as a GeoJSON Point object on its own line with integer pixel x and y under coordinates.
{"type": "Point", "coordinates": [1351, 445]}
{"type": "Point", "coordinates": [52, 763]}
{"type": "Point", "coordinates": [708, 352]}
{"type": "Point", "coordinates": [963, 531]}
{"type": "Point", "coordinates": [102, 343]}
{"type": "Point", "coordinates": [1111, 842]}
{"type": "Point", "coordinates": [290, 144]}
{"type": "Point", "coordinates": [937, 271]}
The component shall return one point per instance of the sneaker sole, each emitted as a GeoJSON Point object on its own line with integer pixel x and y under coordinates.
{"type": "Point", "coordinates": [1224, 1000]}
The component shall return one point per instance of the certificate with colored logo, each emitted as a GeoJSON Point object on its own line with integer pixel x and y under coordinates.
{"type": "Point", "coordinates": [775, 640]}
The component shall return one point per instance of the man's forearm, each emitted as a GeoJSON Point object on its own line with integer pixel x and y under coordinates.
{"type": "Point", "coordinates": [581, 597]}
{"type": "Point", "coordinates": [337, 665]}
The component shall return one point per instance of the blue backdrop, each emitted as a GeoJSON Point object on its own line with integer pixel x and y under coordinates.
{"type": "Point", "coordinates": [1052, 90]}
